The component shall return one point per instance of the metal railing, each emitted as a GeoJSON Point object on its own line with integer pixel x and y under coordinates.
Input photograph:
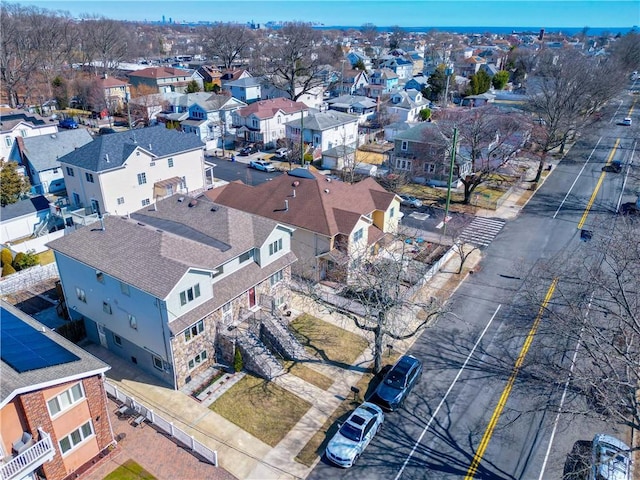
{"type": "Point", "coordinates": [29, 460]}
{"type": "Point", "coordinates": [168, 427]}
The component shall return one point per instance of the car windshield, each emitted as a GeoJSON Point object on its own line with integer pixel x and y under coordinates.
{"type": "Point", "coordinates": [396, 379]}
{"type": "Point", "coordinates": [351, 432]}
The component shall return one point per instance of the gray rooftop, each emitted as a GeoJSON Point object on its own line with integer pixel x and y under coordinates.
{"type": "Point", "coordinates": [167, 242]}
{"type": "Point", "coordinates": [422, 132]}
{"type": "Point", "coordinates": [245, 82]}
{"type": "Point", "coordinates": [24, 207]}
{"type": "Point", "coordinates": [44, 151]}
{"type": "Point", "coordinates": [14, 383]}
{"type": "Point", "coordinates": [324, 120]}
{"type": "Point", "coordinates": [111, 151]}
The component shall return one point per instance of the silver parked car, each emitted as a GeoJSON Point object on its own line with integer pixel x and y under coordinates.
{"type": "Point", "coordinates": [610, 459]}
{"type": "Point", "coordinates": [354, 435]}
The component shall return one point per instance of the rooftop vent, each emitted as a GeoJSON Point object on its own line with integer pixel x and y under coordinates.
{"type": "Point", "coordinates": [328, 179]}
{"type": "Point", "coordinates": [106, 157]}
{"type": "Point", "coordinates": [193, 203]}
{"type": "Point", "coordinates": [296, 183]}
{"type": "Point", "coordinates": [141, 224]}
{"type": "Point", "coordinates": [150, 147]}
{"type": "Point", "coordinates": [326, 190]}
{"type": "Point", "coordinates": [181, 199]}
{"type": "Point", "coordinates": [214, 209]}
{"type": "Point", "coordinates": [286, 205]}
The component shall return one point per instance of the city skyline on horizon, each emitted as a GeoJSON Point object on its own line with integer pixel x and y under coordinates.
{"type": "Point", "coordinates": [602, 14]}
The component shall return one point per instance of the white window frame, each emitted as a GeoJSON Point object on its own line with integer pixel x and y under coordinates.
{"type": "Point", "coordinates": [405, 146]}
{"type": "Point", "coordinates": [66, 400]}
{"type": "Point", "coordinates": [146, 202]}
{"type": "Point", "coordinates": [189, 295]}
{"type": "Point", "coordinates": [142, 178]}
{"type": "Point", "coordinates": [70, 172]}
{"type": "Point", "coordinates": [276, 277]}
{"type": "Point", "coordinates": [89, 177]}
{"type": "Point", "coordinates": [81, 294]}
{"type": "Point", "coordinates": [197, 360]}
{"type": "Point", "coordinates": [76, 438]}
{"type": "Point", "coordinates": [358, 235]}
{"type": "Point", "coordinates": [193, 331]}
{"type": "Point", "coordinates": [275, 247]}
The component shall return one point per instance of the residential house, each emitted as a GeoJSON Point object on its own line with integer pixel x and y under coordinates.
{"type": "Point", "coordinates": [354, 82]}
{"type": "Point", "coordinates": [165, 79]}
{"type": "Point", "coordinates": [335, 222]}
{"type": "Point", "coordinates": [469, 66]}
{"type": "Point", "coordinates": [247, 90]}
{"type": "Point", "coordinates": [402, 67]}
{"type": "Point", "coordinates": [381, 82]}
{"type": "Point", "coordinates": [232, 76]}
{"type": "Point", "coordinates": [116, 93]}
{"type": "Point", "coordinates": [40, 157]}
{"type": "Point", "coordinates": [312, 98]}
{"type": "Point", "coordinates": [423, 154]}
{"type": "Point", "coordinates": [417, 83]}
{"type": "Point", "coordinates": [19, 220]}
{"type": "Point", "coordinates": [21, 124]}
{"type": "Point", "coordinates": [363, 107]}
{"type": "Point", "coordinates": [211, 120]}
{"type": "Point", "coordinates": [54, 418]}
{"type": "Point", "coordinates": [164, 288]}
{"type": "Point", "coordinates": [264, 121]}
{"type": "Point", "coordinates": [211, 75]}
{"type": "Point", "coordinates": [478, 100]}
{"type": "Point", "coordinates": [405, 106]}
{"type": "Point", "coordinates": [354, 58]}
{"type": "Point", "coordinates": [323, 131]}
{"type": "Point", "coordinates": [417, 62]}
{"type": "Point", "coordinates": [122, 172]}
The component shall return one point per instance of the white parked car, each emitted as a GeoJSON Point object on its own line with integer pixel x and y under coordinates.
{"type": "Point", "coordinates": [610, 460]}
{"type": "Point", "coordinates": [626, 122]}
{"type": "Point", "coordinates": [354, 435]}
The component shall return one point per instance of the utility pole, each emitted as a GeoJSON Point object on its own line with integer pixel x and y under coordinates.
{"type": "Point", "coordinates": [451, 166]}
{"type": "Point", "coordinates": [301, 137]}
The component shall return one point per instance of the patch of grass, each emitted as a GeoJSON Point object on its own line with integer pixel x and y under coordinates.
{"type": "Point", "coordinates": [46, 257]}
{"type": "Point", "coordinates": [526, 195]}
{"type": "Point", "coordinates": [326, 341]}
{"type": "Point", "coordinates": [309, 375]}
{"type": "Point", "coordinates": [262, 408]}
{"type": "Point", "coordinates": [129, 470]}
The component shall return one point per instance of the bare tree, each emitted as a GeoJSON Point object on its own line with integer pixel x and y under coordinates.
{"type": "Point", "coordinates": [626, 49]}
{"type": "Point", "coordinates": [229, 42]}
{"type": "Point", "coordinates": [381, 293]}
{"type": "Point", "coordinates": [104, 41]}
{"type": "Point", "coordinates": [295, 59]}
{"type": "Point", "coordinates": [396, 37]}
{"type": "Point", "coordinates": [489, 137]}
{"type": "Point", "coordinates": [369, 32]}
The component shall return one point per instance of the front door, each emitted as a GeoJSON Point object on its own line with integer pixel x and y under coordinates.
{"type": "Point", "coordinates": [252, 297]}
{"type": "Point", "coordinates": [95, 206]}
{"type": "Point", "coordinates": [102, 335]}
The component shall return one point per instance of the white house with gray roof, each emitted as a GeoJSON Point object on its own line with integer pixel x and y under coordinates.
{"type": "Point", "coordinates": [211, 119]}
{"type": "Point", "coordinates": [163, 287]}
{"type": "Point", "coordinates": [123, 172]}
{"type": "Point", "coordinates": [325, 130]}
{"type": "Point", "coordinates": [40, 157]}
{"type": "Point", "coordinates": [405, 105]}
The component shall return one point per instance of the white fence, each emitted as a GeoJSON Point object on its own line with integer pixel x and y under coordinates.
{"type": "Point", "coordinates": [38, 244]}
{"type": "Point", "coordinates": [168, 427]}
{"type": "Point", "coordinates": [26, 278]}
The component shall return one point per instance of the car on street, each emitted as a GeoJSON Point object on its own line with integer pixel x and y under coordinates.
{"type": "Point", "coordinates": [106, 131]}
{"type": "Point", "coordinates": [409, 201]}
{"type": "Point", "coordinates": [353, 436]}
{"type": "Point", "coordinates": [248, 150]}
{"type": "Point", "coordinates": [68, 123]}
{"type": "Point", "coordinates": [281, 154]}
{"type": "Point", "coordinates": [626, 122]}
{"type": "Point", "coordinates": [262, 165]}
{"type": "Point", "coordinates": [397, 383]}
{"type": "Point", "coordinates": [613, 167]}
{"type": "Point", "coordinates": [610, 459]}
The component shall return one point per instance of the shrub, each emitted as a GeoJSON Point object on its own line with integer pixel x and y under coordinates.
{"type": "Point", "coordinates": [7, 269]}
{"type": "Point", "coordinates": [7, 256]}
{"type": "Point", "coordinates": [238, 364]}
{"type": "Point", "coordinates": [25, 260]}
{"type": "Point", "coordinates": [17, 261]}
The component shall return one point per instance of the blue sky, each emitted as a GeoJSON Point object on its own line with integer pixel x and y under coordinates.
{"type": "Point", "coordinates": [415, 13]}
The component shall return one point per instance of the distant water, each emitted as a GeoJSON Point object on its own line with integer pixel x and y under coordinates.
{"type": "Point", "coordinates": [498, 30]}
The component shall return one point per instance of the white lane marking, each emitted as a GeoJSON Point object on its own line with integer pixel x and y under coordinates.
{"type": "Point", "coordinates": [626, 176]}
{"type": "Point", "coordinates": [413, 450]}
{"type": "Point", "coordinates": [577, 177]}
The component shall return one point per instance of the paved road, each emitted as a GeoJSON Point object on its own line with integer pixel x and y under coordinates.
{"type": "Point", "coordinates": [239, 170]}
{"type": "Point", "coordinates": [452, 420]}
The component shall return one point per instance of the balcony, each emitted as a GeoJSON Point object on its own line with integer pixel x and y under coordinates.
{"type": "Point", "coordinates": [29, 460]}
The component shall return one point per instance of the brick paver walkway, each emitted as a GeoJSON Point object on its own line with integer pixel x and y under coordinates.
{"type": "Point", "coordinates": [155, 452]}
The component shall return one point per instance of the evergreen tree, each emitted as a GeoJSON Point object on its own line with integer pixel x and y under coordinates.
{"type": "Point", "coordinates": [479, 83]}
{"type": "Point", "coordinates": [500, 79]}
{"type": "Point", "coordinates": [13, 184]}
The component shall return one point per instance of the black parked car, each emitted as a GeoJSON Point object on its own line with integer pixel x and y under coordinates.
{"type": "Point", "coordinates": [248, 150]}
{"type": "Point", "coordinates": [397, 383]}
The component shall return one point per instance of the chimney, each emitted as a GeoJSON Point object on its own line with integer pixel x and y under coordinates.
{"type": "Point", "coordinates": [294, 193]}
{"type": "Point", "coordinates": [106, 157]}
{"type": "Point", "coordinates": [286, 205]}
{"type": "Point", "coordinates": [150, 147]}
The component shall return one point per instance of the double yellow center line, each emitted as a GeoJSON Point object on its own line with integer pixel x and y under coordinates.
{"type": "Point", "coordinates": [507, 390]}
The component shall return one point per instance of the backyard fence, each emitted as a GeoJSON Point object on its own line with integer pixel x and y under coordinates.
{"type": "Point", "coordinates": [24, 279]}
{"type": "Point", "coordinates": [168, 427]}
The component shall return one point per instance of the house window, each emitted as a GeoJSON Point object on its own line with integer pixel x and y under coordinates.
{"type": "Point", "coordinates": [190, 294]}
{"type": "Point", "coordinates": [195, 330]}
{"type": "Point", "coordinates": [358, 235]}
{"type": "Point", "coordinates": [276, 277]}
{"type": "Point", "coordinates": [55, 170]}
{"type": "Point", "coordinates": [70, 172]}
{"type": "Point", "coordinates": [246, 256]}
{"type": "Point", "coordinates": [133, 323]}
{"type": "Point", "coordinates": [402, 164]}
{"type": "Point", "coordinates": [405, 146]}
{"type": "Point", "coordinates": [65, 400]}
{"type": "Point", "coordinates": [80, 293]}
{"type": "Point", "coordinates": [106, 307]}
{"type": "Point", "coordinates": [145, 202]}
{"type": "Point", "coordinates": [275, 246]}
{"type": "Point", "coordinates": [218, 271]}
{"type": "Point", "coordinates": [157, 362]}
{"type": "Point", "coordinates": [197, 360]}
{"type": "Point", "coordinates": [76, 437]}
{"type": "Point", "coordinates": [120, 200]}
{"type": "Point", "coordinates": [429, 168]}
{"type": "Point", "coordinates": [142, 178]}
{"type": "Point", "coordinates": [89, 177]}
{"type": "Point", "coordinates": [392, 212]}
{"type": "Point", "coordinates": [170, 162]}
{"type": "Point", "coordinates": [124, 288]}
{"type": "Point", "coordinates": [100, 276]}
{"type": "Point", "coordinates": [8, 141]}
{"type": "Point", "coordinates": [117, 340]}
{"type": "Point", "coordinates": [227, 313]}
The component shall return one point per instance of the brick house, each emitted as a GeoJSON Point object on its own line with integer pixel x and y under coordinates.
{"type": "Point", "coordinates": [53, 410]}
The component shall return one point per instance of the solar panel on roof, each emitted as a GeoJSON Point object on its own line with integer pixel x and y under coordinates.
{"type": "Point", "coordinates": [24, 348]}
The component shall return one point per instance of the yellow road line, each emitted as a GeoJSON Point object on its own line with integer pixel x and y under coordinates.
{"type": "Point", "coordinates": [598, 185]}
{"type": "Point", "coordinates": [631, 109]}
{"type": "Point", "coordinates": [507, 390]}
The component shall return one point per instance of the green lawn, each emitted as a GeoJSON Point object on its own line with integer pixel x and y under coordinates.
{"type": "Point", "coordinates": [308, 374]}
{"type": "Point", "coordinates": [129, 470]}
{"type": "Point", "coordinates": [262, 408]}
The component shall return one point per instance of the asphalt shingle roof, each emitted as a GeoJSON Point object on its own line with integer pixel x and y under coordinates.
{"type": "Point", "coordinates": [14, 383]}
{"type": "Point", "coordinates": [24, 207]}
{"type": "Point", "coordinates": [324, 120]}
{"type": "Point", "coordinates": [111, 151]}
{"type": "Point", "coordinates": [44, 151]}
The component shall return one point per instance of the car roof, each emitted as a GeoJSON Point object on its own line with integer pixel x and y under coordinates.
{"type": "Point", "coordinates": [610, 440]}
{"type": "Point", "coordinates": [363, 413]}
